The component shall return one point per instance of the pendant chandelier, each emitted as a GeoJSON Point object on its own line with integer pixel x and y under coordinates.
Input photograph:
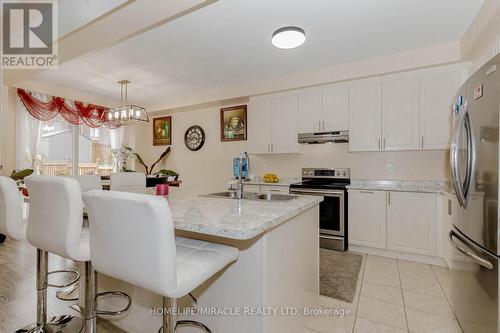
{"type": "Point", "coordinates": [126, 114]}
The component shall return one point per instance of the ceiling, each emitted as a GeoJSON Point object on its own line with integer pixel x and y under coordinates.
{"type": "Point", "coordinates": [76, 13]}
{"type": "Point", "coordinates": [228, 43]}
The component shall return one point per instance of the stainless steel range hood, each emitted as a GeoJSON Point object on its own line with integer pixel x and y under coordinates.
{"type": "Point", "coordinates": [324, 137]}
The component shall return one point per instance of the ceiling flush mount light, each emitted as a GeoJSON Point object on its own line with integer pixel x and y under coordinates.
{"type": "Point", "coordinates": [288, 38]}
{"type": "Point", "coordinates": [126, 114]}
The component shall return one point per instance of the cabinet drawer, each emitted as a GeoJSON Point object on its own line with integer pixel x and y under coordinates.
{"type": "Point", "coordinates": [252, 188]}
{"type": "Point", "coordinates": [274, 189]}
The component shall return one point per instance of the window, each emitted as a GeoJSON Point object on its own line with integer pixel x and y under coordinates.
{"type": "Point", "coordinates": [50, 146]}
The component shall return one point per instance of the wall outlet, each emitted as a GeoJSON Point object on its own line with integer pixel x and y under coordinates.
{"type": "Point", "coordinates": [389, 167]}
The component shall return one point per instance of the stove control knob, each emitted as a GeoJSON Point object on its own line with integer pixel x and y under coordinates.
{"type": "Point", "coordinates": [343, 173]}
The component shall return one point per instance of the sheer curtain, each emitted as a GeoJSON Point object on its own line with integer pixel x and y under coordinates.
{"type": "Point", "coordinates": [29, 132]}
{"type": "Point", "coordinates": [116, 142]}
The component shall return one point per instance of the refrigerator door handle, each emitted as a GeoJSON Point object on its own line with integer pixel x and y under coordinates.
{"type": "Point", "coordinates": [471, 153]}
{"type": "Point", "coordinates": [462, 190]}
{"type": "Point", "coordinates": [454, 159]}
{"type": "Point", "coordinates": [477, 259]}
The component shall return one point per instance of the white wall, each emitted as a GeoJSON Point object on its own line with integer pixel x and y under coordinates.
{"type": "Point", "coordinates": [481, 42]}
{"type": "Point", "coordinates": [210, 168]}
{"type": "Point", "coordinates": [8, 130]}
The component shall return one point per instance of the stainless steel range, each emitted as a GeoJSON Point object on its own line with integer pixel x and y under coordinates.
{"type": "Point", "coordinates": [332, 185]}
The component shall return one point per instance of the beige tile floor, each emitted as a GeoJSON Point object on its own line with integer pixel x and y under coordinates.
{"type": "Point", "coordinates": [392, 296]}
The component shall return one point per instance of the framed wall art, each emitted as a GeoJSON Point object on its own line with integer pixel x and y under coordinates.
{"type": "Point", "coordinates": [162, 131]}
{"type": "Point", "coordinates": [233, 123]}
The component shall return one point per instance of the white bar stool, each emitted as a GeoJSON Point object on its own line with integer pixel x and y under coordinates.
{"type": "Point", "coordinates": [87, 183]}
{"type": "Point", "coordinates": [156, 260]}
{"type": "Point", "coordinates": [14, 226]}
{"type": "Point", "coordinates": [55, 225]}
{"type": "Point", "coordinates": [127, 181]}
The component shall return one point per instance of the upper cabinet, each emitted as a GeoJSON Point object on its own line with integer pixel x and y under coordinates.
{"type": "Point", "coordinates": [365, 117]}
{"type": "Point", "coordinates": [404, 111]}
{"type": "Point", "coordinates": [437, 92]}
{"type": "Point", "coordinates": [284, 125]}
{"type": "Point", "coordinates": [259, 129]}
{"type": "Point", "coordinates": [273, 125]}
{"type": "Point", "coordinates": [400, 114]}
{"type": "Point", "coordinates": [324, 110]}
{"type": "Point", "coordinates": [410, 111]}
{"type": "Point", "coordinates": [336, 109]}
{"type": "Point", "coordinates": [310, 112]}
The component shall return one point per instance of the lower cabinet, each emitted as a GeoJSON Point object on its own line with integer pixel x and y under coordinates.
{"type": "Point", "coordinates": [411, 222]}
{"type": "Point", "coordinates": [398, 221]}
{"type": "Point", "coordinates": [367, 218]}
{"type": "Point", "coordinates": [266, 189]}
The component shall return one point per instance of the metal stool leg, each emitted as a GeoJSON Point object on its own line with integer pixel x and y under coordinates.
{"type": "Point", "coordinates": [61, 324]}
{"type": "Point", "coordinates": [169, 315]}
{"type": "Point", "coordinates": [90, 292]}
{"type": "Point", "coordinates": [193, 323]}
{"type": "Point", "coordinates": [170, 322]}
{"type": "Point", "coordinates": [69, 293]}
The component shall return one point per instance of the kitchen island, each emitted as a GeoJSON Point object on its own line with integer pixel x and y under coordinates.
{"type": "Point", "coordinates": [275, 277]}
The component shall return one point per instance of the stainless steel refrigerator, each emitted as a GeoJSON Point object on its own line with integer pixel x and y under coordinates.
{"type": "Point", "coordinates": [472, 286]}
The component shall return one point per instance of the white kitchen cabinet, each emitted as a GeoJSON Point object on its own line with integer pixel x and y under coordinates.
{"type": "Point", "coordinates": [274, 189]}
{"type": "Point", "coordinates": [259, 131]}
{"type": "Point", "coordinates": [251, 188]}
{"type": "Point", "coordinates": [310, 112]}
{"type": "Point", "coordinates": [273, 125]}
{"type": "Point", "coordinates": [437, 92]}
{"type": "Point", "coordinates": [411, 222]}
{"type": "Point", "coordinates": [324, 110]}
{"type": "Point", "coordinates": [265, 188]}
{"type": "Point", "coordinates": [367, 218]}
{"type": "Point", "coordinates": [365, 117]}
{"type": "Point", "coordinates": [335, 109]}
{"type": "Point", "coordinates": [400, 114]}
{"type": "Point", "coordinates": [284, 131]}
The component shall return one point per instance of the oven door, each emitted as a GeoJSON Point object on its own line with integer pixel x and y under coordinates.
{"type": "Point", "coordinates": [331, 210]}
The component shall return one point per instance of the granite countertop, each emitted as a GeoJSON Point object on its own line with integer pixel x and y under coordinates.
{"type": "Point", "coordinates": [285, 181]}
{"type": "Point", "coordinates": [401, 185]}
{"type": "Point", "coordinates": [236, 219]}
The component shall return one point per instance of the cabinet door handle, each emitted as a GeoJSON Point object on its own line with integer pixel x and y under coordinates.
{"type": "Point", "coordinates": [388, 198]}
{"type": "Point", "coordinates": [422, 141]}
{"type": "Point", "coordinates": [379, 144]}
{"type": "Point", "coordinates": [319, 125]}
{"type": "Point", "coordinates": [323, 125]}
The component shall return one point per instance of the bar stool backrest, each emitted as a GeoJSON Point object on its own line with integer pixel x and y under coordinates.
{"type": "Point", "coordinates": [11, 210]}
{"type": "Point", "coordinates": [123, 181]}
{"type": "Point", "coordinates": [89, 182]}
{"type": "Point", "coordinates": [56, 215]}
{"type": "Point", "coordinates": [132, 239]}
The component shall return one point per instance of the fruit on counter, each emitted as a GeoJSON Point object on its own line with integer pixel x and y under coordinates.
{"type": "Point", "coordinates": [271, 178]}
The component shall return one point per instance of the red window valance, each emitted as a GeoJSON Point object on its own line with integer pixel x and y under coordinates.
{"type": "Point", "coordinates": [90, 114]}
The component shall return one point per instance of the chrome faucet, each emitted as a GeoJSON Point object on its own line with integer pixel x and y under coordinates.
{"type": "Point", "coordinates": [239, 185]}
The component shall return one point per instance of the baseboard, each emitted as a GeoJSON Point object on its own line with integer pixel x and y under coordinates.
{"type": "Point", "coordinates": [438, 261]}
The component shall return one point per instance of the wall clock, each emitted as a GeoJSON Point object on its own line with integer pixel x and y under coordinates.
{"type": "Point", "coordinates": [194, 138]}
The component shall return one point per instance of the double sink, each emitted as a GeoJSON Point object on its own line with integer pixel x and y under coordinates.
{"type": "Point", "coordinates": [253, 196]}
